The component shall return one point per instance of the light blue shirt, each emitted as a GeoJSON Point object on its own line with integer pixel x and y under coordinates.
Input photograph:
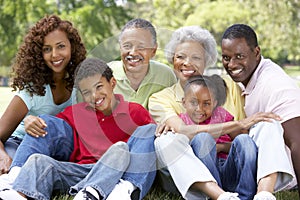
{"type": "Point", "coordinates": [38, 105]}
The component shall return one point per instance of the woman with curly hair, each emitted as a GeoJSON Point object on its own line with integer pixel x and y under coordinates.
{"type": "Point", "coordinates": [43, 76]}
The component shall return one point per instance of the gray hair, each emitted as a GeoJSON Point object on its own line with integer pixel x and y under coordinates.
{"type": "Point", "coordinates": [193, 33]}
{"type": "Point", "coordinates": [142, 24]}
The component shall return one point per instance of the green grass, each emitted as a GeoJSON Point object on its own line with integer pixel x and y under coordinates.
{"type": "Point", "coordinates": [5, 96]}
{"type": "Point", "coordinates": [156, 193]}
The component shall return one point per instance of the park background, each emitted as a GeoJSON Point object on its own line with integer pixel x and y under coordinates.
{"type": "Point", "coordinates": [276, 22]}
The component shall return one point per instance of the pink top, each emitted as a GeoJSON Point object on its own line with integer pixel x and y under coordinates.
{"type": "Point", "coordinates": [270, 89]}
{"type": "Point", "coordinates": [219, 115]}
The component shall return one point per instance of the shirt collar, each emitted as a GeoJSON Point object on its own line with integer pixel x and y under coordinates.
{"type": "Point", "coordinates": [253, 80]}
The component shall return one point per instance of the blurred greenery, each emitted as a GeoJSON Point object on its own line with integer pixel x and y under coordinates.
{"type": "Point", "coordinates": [99, 22]}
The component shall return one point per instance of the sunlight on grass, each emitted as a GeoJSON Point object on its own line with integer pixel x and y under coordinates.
{"type": "Point", "coordinates": [5, 97]}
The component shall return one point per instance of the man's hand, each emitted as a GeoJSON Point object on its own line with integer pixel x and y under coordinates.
{"type": "Point", "coordinates": [247, 123]}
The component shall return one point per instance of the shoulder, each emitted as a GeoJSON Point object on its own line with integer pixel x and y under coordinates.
{"type": "Point", "coordinates": [136, 107]}
{"type": "Point", "coordinates": [267, 71]}
{"type": "Point", "coordinates": [221, 115]}
{"type": "Point", "coordinates": [156, 64]}
{"type": "Point", "coordinates": [115, 64]}
{"type": "Point", "coordinates": [160, 67]}
{"type": "Point", "coordinates": [139, 114]}
{"type": "Point", "coordinates": [166, 92]}
{"type": "Point", "coordinates": [77, 106]}
{"type": "Point", "coordinates": [25, 95]}
{"type": "Point", "coordinates": [162, 96]}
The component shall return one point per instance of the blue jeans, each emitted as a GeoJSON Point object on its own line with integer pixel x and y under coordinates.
{"type": "Point", "coordinates": [11, 145]}
{"type": "Point", "coordinates": [141, 170]}
{"type": "Point", "coordinates": [238, 172]}
{"type": "Point", "coordinates": [58, 143]}
{"type": "Point", "coordinates": [46, 174]}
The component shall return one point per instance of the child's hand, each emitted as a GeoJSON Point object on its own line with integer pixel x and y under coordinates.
{"type": "Point", "coordinates": [163, 129]}
{"type": "Point", "coordinates": [35, 126]}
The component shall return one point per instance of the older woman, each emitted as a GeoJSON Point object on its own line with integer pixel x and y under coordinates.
{"type": "Point", "coordinates": [190, 50]}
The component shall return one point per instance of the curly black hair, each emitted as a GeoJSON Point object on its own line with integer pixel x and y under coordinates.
{"type": "Point", "coordinates": [30, 71]}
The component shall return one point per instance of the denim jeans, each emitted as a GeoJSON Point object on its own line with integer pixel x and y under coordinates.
{"type": "Point", "coordinates": [58, 143]}
{"type": "Point", "coordinates": [11, 145]}
{"type": "Point", "coordinates": [238, 172]}
{"type": "Point", "coordinates": [46, 174]}
{"type": "Point", "coordinates": [141, 170]}
{"type": "Point", "coordinates": [179, 167]}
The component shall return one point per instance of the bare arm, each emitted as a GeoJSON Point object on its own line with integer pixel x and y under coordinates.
{"type": "Point", "coordinates": [233, 128]}
{"type": "Point", "coordinates": [9, 121]}
{"type": "Point", "coordinates": [292, 140]}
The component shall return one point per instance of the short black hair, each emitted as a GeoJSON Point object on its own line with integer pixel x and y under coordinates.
{"type": "Point", "coordinates": [90, 67]}
{"type": "Point", "coordinates": [241, 31]}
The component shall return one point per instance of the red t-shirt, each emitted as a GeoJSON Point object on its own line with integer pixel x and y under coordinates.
{"type": "Point", "coordinates": [94, 132]}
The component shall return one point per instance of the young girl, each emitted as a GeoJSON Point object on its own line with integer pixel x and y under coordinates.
{"type": "Point", "coordinates": [203, 98]}
{"type": "Point", "coordinates": [43, 74]}
{"type": "Point", "coordinates": [233, 168]}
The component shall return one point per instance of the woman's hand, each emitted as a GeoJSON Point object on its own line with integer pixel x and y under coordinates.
{"type": "Point", "coordinates": [35, 126]}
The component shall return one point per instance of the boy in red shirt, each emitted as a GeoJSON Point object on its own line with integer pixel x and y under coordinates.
{"type": "Point", "coordinates": [94, 132]}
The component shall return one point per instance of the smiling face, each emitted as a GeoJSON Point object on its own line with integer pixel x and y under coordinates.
{"type": "Point", "coordinates": [239, 60]}
{"type": "Point", "coordinates": [98, 92]}
{"type": "Point", "coordinates": [137, 48]}
{"type": "Point", "coordinates": [189, 60]}
{"type": "Point", "coordinates": [57, 51]}
{"type": "Point", "coordinates": [199, 103]}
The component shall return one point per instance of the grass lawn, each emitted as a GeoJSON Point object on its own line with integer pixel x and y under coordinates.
{"type": "Point", "coordinates": [5, 97]}
{"type": "Point", "coordinates": [156, 193]}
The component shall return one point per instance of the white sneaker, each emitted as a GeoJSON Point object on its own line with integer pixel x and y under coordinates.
{"type": "Point", "coordinates": [264, 195]}
{"type": "Point", "coordinates": [7, 180]}
{"type": "Point", "coordinates": [122, 191]}
{"type": "Point", "coordinates": [87, 193]}
{"type": "Point", "coordinates": [9, 194]}
{"type": "Point", "coordinates": [229, 196]}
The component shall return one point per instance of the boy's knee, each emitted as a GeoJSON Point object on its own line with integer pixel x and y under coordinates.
{"type": "Point", "coordinates": [37, 158]}
{"type": "Point", "coordinates": [145, 131]}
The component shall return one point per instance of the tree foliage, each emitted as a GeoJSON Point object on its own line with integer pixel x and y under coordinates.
{"type": "Point", "coordinates": [96, 20]}
{"type": "Point", "coordinates": [276, 22]}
